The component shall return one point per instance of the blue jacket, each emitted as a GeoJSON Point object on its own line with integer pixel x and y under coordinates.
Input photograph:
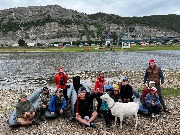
{"type": "Point", "coordinates": [53, 106]}
{"type": "Point", "coordinates": [149, 97]}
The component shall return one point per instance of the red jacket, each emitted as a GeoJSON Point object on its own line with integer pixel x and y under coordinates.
{"type": "Point", "coordinates": [144, 93]}
{"type": "Point", "coordinates": [99, 84]}
{"type": "Point", "coordinates": [57, 80]}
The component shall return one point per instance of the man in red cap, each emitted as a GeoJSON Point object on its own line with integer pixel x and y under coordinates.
{"type": "Point", "coordinates": [154, 73]}
{"type": "Point", "coordinates": [61, 80]}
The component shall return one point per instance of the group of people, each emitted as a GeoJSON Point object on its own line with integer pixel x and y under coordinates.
{"type": "Point", "coordinates": [84, 109]}
{"type": "Point", "coordinates": [55, 103]}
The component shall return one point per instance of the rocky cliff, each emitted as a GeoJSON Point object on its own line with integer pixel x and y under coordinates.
{"type": "Point", "coordinates": [45, 24]}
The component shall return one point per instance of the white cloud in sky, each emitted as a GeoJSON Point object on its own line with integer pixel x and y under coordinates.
{"type": "Point", "coordinates": [118, 7]}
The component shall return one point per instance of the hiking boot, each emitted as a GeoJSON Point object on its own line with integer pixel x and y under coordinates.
{"type": "Point", "coordinates": [92, 125]}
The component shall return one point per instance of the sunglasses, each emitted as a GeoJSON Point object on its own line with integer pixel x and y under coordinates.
{"type": "Point", "coordinates": [61, 91]}
{"type": "Point", "coordinates": [24, 97]}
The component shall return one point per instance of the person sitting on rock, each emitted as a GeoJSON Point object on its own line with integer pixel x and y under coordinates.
{"type": "Point", "coordinates": [83, 109]}
{"type": "Point", "coordinates": [25, 111]}
{"type": "Point", "coordinates": [146, 91]}
{"type": "Point", "coordinates": [126, 91]}
{"type": "Point", "coordinates": [115, 94]}
{"type": "Point", "coordinates": [44, 100]}
{"type": "Point", "coordinates": [57, 103]}
{"type": "Point", "coordinates": [152, 102]}
{"type": "Point", "coordinates": [83, 90]}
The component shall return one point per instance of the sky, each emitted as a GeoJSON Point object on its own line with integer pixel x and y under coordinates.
{"type": "Point", "coordinates": [124, 8]}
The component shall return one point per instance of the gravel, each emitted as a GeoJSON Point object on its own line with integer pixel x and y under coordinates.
{"type": "Point", "coordinates": [167, 123]}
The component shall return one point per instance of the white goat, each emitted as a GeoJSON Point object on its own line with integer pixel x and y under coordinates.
{"type": "Point", "coordinates": [121, 109]}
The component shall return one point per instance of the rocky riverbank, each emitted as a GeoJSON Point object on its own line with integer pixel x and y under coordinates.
{"type": "Point", "coordinates": [167, 124]}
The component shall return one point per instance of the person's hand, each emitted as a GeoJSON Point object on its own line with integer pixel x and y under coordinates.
{"type": "Point", "coordinates": [152, 101]}
{"type": "Point", "coordinates": [61, 111]}
{"type": "Point", "coordinates": [52, 113]}
{"type": "Point", "coordinates": [77, 115]}
{"type": "Point", "coordinates": [145, 85]}
{"type": "Point", "coordinates": [101, 91]}
{"type": "Point", "coordinates": [162, 85]}
{"type": "Point", "coordinates": [124, 100]}
{"type": "Point", "coordinates": [27, 113]}
{"type": "Point", "coordinates": [153, 104]}
{"type": "Point", "coordinates": [97, 90]}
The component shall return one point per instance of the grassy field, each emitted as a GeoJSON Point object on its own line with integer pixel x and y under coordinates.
{"type": "Point", "coordinates": [87, 49]}
{"type": "Point", "coordinates": [169, 92]}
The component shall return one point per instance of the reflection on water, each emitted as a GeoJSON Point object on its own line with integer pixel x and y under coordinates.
{"type": "Point", "coordinates": [29, 69]}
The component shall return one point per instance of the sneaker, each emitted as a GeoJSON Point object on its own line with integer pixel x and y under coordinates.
{"type": "Point", "coordinates": [108, 126]}
{"type": "Point", "coordinates": [157, 115]}
{"type": "Point", "coordinates": [153, 115]}
{"type": "Point", "coordinates": [167, 110]}
{"type": "Point", "coordinates": [92, 125]}
{"type": "Point", "coordinates": [71, 118]}
{"type": "Point", "coordinates": [35, 123]}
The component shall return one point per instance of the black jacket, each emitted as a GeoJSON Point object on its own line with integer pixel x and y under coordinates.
{"type": "Point", "coordinates": [85, 107]}
{"type": "Point", "coordinates": [126, 92]}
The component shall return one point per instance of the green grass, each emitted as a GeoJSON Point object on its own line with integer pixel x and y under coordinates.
{"type": "Point", "coordinates": [87, 49]}
{"type": "Point", "coordinates": [169, 92]}
{"type": "Point", "coordinates": [150, 48]}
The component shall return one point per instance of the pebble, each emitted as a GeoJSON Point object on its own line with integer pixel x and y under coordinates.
{"type": "Point", "coordinates": [168, 123]}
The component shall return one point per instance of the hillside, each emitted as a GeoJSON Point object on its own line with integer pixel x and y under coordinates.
{"type": "Point", "coordinates": [50, 23]}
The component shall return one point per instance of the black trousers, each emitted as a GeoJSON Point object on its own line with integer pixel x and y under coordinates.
{"type": "Point", "coordinates": [153, 109]}
{"type": "Point", "coordinates": [107, 116]}
{"type": "Point", "coordinates": [65, 94]}
{"type": "Point", "coordinates": [160, 96]}
{"type": "Point", "coordinates": [99, 102]}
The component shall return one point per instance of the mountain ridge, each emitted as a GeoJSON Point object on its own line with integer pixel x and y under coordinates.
{"type": "Point", "coordinates": [52, 22]}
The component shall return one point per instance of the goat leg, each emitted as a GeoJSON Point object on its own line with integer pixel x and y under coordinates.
{"type": "Point", "coordinates": [121, 119]}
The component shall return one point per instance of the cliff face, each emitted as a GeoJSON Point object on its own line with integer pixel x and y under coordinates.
{"type": "Point", "coordinates": [54, 23]}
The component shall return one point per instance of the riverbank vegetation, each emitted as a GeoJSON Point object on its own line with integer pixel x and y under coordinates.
{"type": "Point", "coordinates": [87, 48]}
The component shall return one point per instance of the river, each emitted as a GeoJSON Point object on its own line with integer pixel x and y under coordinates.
{"type": "Point", "coordinates": [30, 70]}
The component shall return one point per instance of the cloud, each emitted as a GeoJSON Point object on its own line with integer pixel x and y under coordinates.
{"type": "Point", "coordinates": [118, 7]}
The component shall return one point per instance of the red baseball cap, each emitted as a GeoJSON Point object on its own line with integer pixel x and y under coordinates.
{"type": "Point", "coordinates": [60, 69]}
{"type": "Point", "coordinates": [151, 60]}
